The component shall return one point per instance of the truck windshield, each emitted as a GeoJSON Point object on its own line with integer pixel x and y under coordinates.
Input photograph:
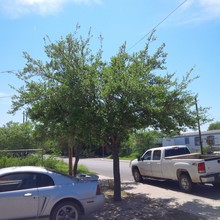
{"type": "Point", "coordinates": [176, 151]}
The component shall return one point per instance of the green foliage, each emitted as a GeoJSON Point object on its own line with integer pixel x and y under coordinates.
{"type": "Point", "coordinates": [50, 162]}
{"type": "Point", "coordinates": [214, 126]}
{"type": "Point", "coordinates": [17, 136]}
{"type": "Point", "coordinates": [134, 155]}
{"type": "Point", "coordinates": [140, 141]}
{"type": "Point", "coordinates": [208, 149]}
{"type": "Point", "coordinates": [130, 157]}
{"type": "Point", "coordinates": [28, 161]}
{"type": "Point", "coordinates": [146, 140]}
{"type": "Point", "coordinates": [60, 94]}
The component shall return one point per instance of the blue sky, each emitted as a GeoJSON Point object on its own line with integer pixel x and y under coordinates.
{"type": "Point", "coordinates": [191, 35]}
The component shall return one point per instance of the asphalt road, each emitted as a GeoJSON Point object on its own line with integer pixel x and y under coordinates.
{"type": "Point", "coordinates": [104, 167]}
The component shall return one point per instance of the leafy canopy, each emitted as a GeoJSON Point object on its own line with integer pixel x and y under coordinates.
{"type": "Point", "coordinates": [60, 93]}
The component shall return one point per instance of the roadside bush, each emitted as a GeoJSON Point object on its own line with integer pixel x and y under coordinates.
{"type": "Point", "coordinates": [135, 155]}
{"type": "Point", "coordinates": [15, 161]}
{"type": "Point", "coordinates": [208, 149]}
{"type": "Point", "coordinates": [50, 162]}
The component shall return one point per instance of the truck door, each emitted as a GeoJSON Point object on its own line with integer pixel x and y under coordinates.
{"type": "Point", "coordinates": [156, 166]}
{"type": "Point", "coordinates": [145, 165]}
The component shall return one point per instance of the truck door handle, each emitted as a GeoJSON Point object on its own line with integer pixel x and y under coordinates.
{"type": "Point", "coordinates": [27, 194]}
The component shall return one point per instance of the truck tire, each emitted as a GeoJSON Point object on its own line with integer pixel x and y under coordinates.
{"type": "Point", "coordinates": [136, 174]}
{"type": "Point", "coordinates": [185, 183]}
{"type": "Point", "coordinates": [216, 185]}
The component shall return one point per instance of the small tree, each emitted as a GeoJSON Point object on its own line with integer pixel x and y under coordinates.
{"type": "Point", "coordinates": [214, 126]}
{"type": "Point", "coordinates": [144, 140]}
{"type": "Point", "coordinates": [60, 93]}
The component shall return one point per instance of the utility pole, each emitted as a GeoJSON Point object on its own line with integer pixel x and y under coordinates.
{"type": "Point", "coordinates": [200, 136]}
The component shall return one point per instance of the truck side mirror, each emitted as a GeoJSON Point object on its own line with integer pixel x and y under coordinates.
{"type": "Point", "coordinates": [140, 158]}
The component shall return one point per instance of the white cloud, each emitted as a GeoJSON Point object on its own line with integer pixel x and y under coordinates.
{"type": "Point", "coordinates": [212, 7]}
{"type": "Point", "coordinates": [201, 10]}
{"type": "Point", "coordinates": [18, 8]}
{"type": "Point", "coordinates": [2, 94]}
{"type": "Point", "coordinates": [5, 98]}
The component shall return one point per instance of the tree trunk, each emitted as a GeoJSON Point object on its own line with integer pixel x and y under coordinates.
{"type": "Point", "coordinates": [76, 155]}
{"type": "Point", "coordinates": [70, 154]}
{"type": "Point", "coordinates": [116, 172]}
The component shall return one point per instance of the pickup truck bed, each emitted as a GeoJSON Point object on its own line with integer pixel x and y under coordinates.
{"type": "Point", "coordinates": [194, 156]}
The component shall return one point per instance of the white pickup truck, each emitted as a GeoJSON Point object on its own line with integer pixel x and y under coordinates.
{"type": "Point", "coordinates": [177, 163]}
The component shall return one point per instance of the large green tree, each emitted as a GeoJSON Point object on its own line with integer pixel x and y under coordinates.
{"type": "Point", "coordinates": [77, 97]}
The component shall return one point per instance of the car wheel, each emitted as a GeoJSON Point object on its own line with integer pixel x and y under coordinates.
{"type": "Point", "coordinates": [137, 176]}
{"type": "Point", "coordinates": [67, 211]}
{"type": "Point", "coordinates": [185, 183]}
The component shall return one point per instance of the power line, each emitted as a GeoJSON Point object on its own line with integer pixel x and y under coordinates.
{"type": "Point", "coordinates": [154, 28]}
{"type": "Point", "coordinates": [9, 71]}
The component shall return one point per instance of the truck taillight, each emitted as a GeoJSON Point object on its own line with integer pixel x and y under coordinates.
{"type": "Point", "coordinates": [201, 167]}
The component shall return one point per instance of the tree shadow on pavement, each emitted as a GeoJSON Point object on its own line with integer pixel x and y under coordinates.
{"type": "Point", "coordinates": [140, 207]}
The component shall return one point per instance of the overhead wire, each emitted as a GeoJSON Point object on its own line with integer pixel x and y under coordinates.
{"type": "Point", "coordinates": [8, 71]}
{"type": "Point", "coordinates": [154, 28]}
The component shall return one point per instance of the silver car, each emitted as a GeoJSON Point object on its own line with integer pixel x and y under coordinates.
{"type": "Point", "coordinates": [30, 192]}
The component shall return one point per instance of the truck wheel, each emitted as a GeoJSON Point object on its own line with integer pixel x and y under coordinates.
{"type": "Point", "coordinates": [185, 183]}
{"type": "Point", "coordinates": [216, 185]}
{"type": "Point", "coordinates": [137, 176]}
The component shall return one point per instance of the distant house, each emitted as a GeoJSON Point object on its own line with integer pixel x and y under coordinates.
{"type": "Point", "coordinates": [209, 138]}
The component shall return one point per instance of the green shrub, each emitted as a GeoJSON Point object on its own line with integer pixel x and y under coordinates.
{"type": "Point", "coordinates": [50, 162]}
{"type": "Point", "coordinates": [134, 155]}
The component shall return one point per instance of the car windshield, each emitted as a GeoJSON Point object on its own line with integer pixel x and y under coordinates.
{"type": "Point", "coordinates": [176, 151]}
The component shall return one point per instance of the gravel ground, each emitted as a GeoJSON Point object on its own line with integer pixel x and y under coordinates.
{"type": "Point", "coordinates": [137, 207]}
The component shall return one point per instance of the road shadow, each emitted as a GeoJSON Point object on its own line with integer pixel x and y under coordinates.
{"type": "Point", "coordinates": [200, 190]}
{"type": "Point", "coordinates": [205, 191]}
